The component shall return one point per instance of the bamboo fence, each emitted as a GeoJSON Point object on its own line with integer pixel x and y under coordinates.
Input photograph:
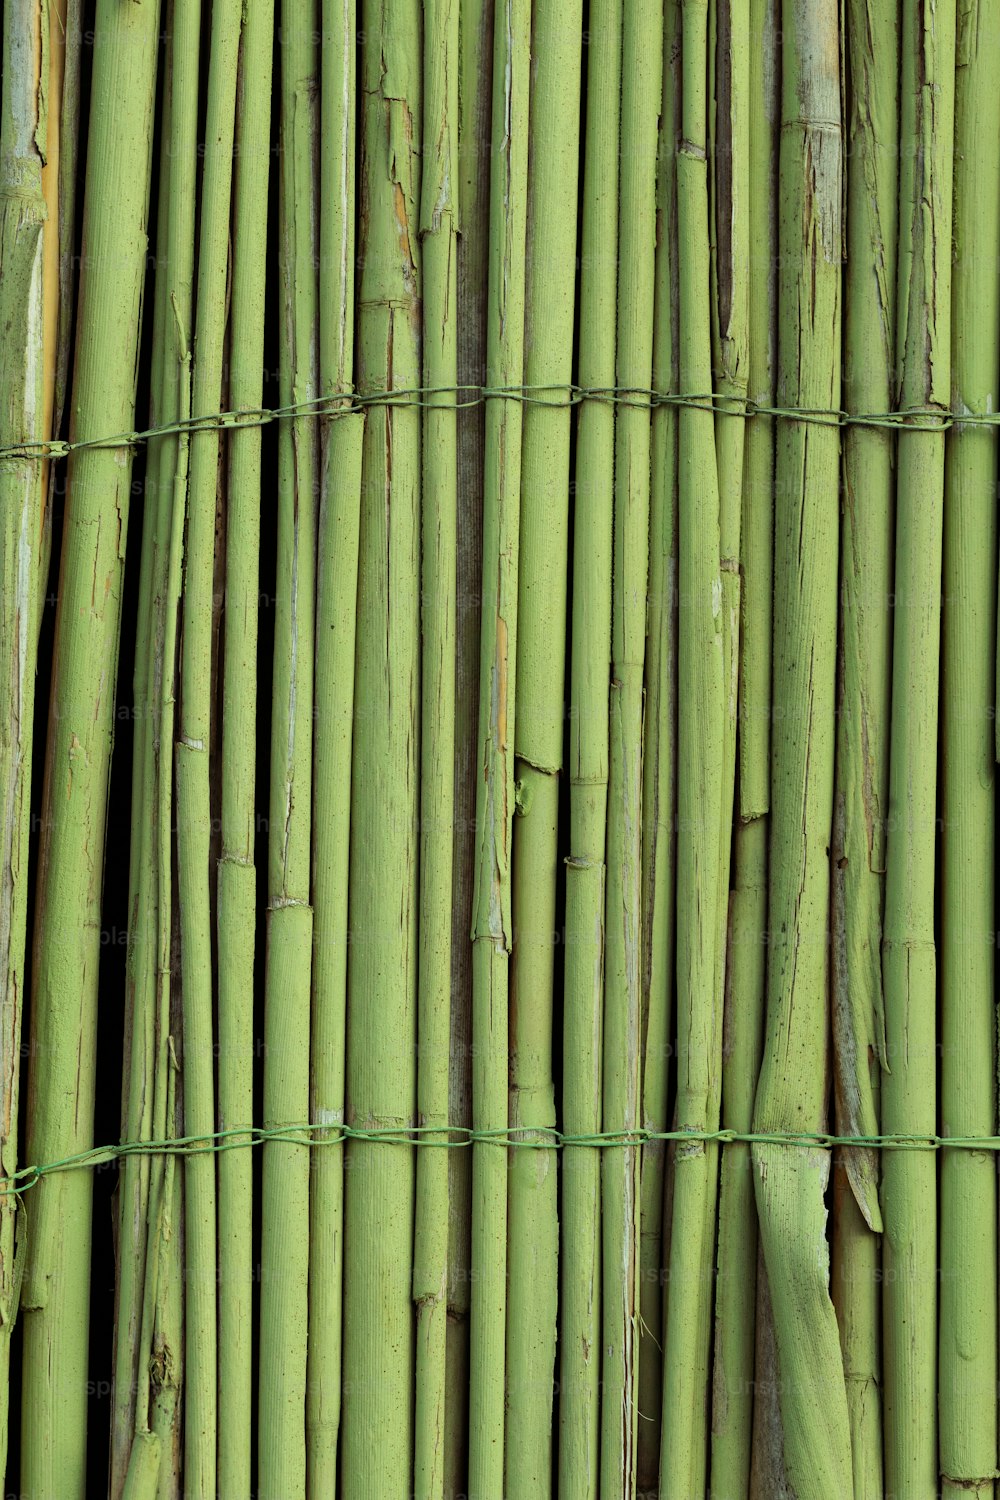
{"type": "Point", "coordinates": [498, 682]}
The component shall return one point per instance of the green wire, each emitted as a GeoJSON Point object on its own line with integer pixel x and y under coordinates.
{"type": "Point", "coordinates": [453, 1136]}
{"type": "Point", "coordinates": [917, 419]}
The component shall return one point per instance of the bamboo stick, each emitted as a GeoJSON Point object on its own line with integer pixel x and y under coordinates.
{"type": "Point", "coordinates": [659, 774]}
{"type": "Point", "coordinates": [492, 920]}
{"type": "Point", "coordinates": [790, 1181]}
{"type": "Point", "coordinates": [861, 800]}
{"type": "Point", "coordinates": [281, 1438]}
{"type": "Point", "coordinates": [237, 892]}
{"type": "Point", "coordinates": [734, 1361]}
{"type": "Point", "coordinates": [336, 614]}
{"type": "Point", "coordinates": [701, 757]}
{"type": "Point", "coordinates": [439, 517]}
{"type": "Point", "coordinates": [377, 1450]}
{"type": "Point", "coordinates": [55, 1294]}
{"type": "Point", "coordinates": [909, 1085]}
{"type": "Point", "coordinates": [192, 763]}
{"type": "Point", "coordinates": [620, 1212]}
{"type": "Point", "coordinates": [967, 1331]}
{"type": "Point", "coordinates": [583, 985]}
{"type": "Point", "coordinates": [476, 21]}
{"type": "Point", "coordinates": [532, 1224]}
{"type": "Point", "coordinates": [24, 297]}
{"type": "Point", "coordinates": [172, 322]}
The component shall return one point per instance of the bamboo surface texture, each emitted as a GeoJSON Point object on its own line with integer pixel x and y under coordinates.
{"type": "Point", "coordinates": [498, 697]}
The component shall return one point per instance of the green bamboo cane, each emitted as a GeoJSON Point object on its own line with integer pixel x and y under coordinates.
{"type": "Point", "coordinates": [909, 1084]}
{"type": "Point", "coordinates": [703, 618]}
{"type": "Point", "coordinates": [659, 774]}
{"type": "Point", "coordinates": [583, 984]}
{"type": "Point", "coordinates": [193, 760]}
{"type": "Point", "coordinates": [336, 614]}
{"type": "Point", "coordinates": [439, 516]}
{"type": "Point", "coordinates": [56, 1290]}
{"type": "Point", "coordinates": [861, 800]}
{"type": "Point", "coordinates": [790, 1181]}
{"type": "Point", "coordinates": [165, 1258]}
{"type": "Point", "coordinates": [236, 873]}
{"type": "Point", "coordinates": [178, 168]}
{"type": "Point", "coordinates": [733, 1378]}
{"type": "Point", "coordinates": [967, 1332]}
{"type": "Point", "coordinates": [139, 1053]}
{"type": "Point", "coordinates": [729, 235]}
{"type": "Point", "coordinates": [377, 1447]}
{"type": "Point", "coordinates": [476, 18]}
{"type": "Point", "coordinates": [641, 67]}
{"type": "Point", "coordinates": [532, 1225]}
{"type": "Point", "coordinates": [155, 1362]}
{"type": "Point", "coordinates": [491, 905]}
{"type": "Point", "coordinates": [22, 418]}
{"type": "Point", "coordinates": [730, 251]}
{"type": "Point", "coordinates": [288, 980]}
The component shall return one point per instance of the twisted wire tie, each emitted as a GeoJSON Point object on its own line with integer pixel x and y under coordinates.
{"type": "Point", "coordinates": [464, 397]}
{"type": "Point", "coordinates": [444, 1136]}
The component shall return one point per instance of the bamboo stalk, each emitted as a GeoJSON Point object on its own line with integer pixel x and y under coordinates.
{"type": "Point", "coordinates": [172, 321]}
{"type": "Point", "coordinates": [659, 774]}
{"type": "Point", "coordinates": [790, 1181]}
{"type": "Point", "coordinates": [909, 1085]}
{"type": "Point", "coordinates": [734, 1361]}
{"type": "Point", "coordinates": [583, 985]}
{"type": "Point", "coordinates": [55, 1295]}
{"type": "Point", "coordinates": [24, 305]}
{"type": "Point", "coordinates": [288, 978]}
{"type": "Point", "coordinates": [192, 762]}
{"type": "Point", "coordinates": [641, 65]}
{"type": "Point", "coordinates": [861, 800]}
{"type": "Point", "coordinates": [476, 21]}
{"type": "Point", "coordinates": [532, 1223]}
{"type": "Point", "coordinates": [491, 905]}
{"type": "Point", "coordinates": [236, 873]}
{"type": "Point", "coordinates": [439, 517]}
{"type": "Point", "coordinates": [702, 737]}
{"type": "Point", "coordinates": [967, 1331]}
{"type": "Point", "coordinates": [336, 614]}
{"type": "Point", "coordinates": [377, 1449]}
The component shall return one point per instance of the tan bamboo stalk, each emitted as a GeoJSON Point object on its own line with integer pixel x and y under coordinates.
{"type": "Point", "coordinates": [790, 1181]}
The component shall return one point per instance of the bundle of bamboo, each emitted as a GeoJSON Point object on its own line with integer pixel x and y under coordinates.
{"type": "Point", "coordinates": [623, 711]}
